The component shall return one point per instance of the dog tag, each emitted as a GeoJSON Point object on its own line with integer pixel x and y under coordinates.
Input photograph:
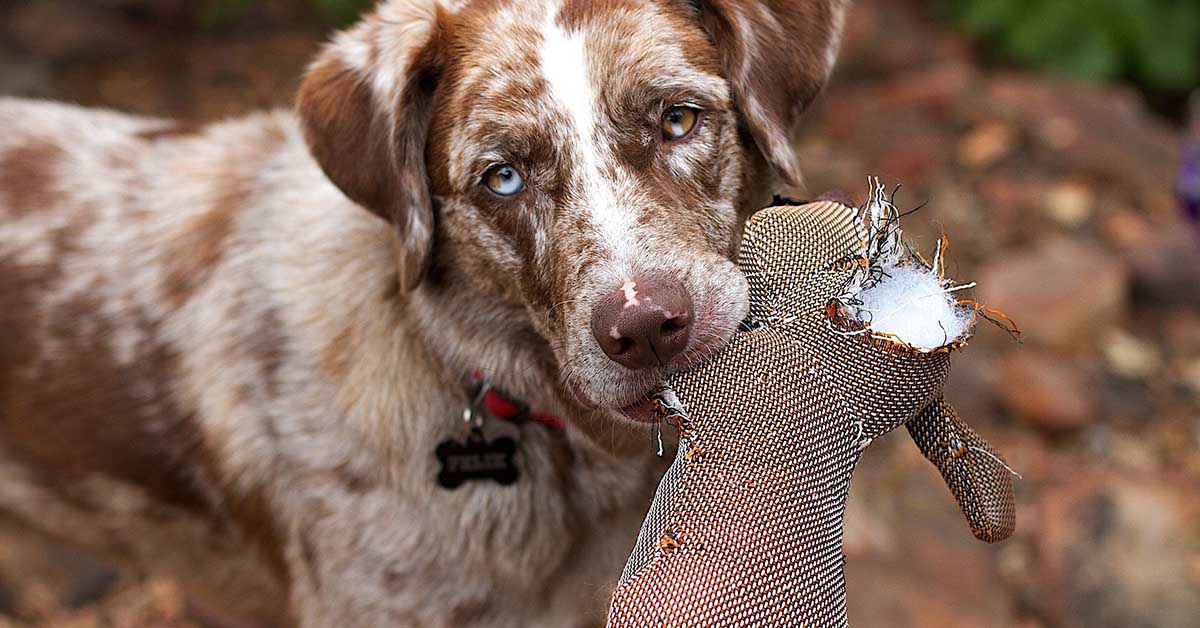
{"type": "Point", "coordinates": [477, 459]}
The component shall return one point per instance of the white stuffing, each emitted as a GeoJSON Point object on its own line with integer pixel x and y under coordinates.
{"type": "Point", "coordinates": [897, 295]}
{"type": "Point", "coordinates": [910, 303]}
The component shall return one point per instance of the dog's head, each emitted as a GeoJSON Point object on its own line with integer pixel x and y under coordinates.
{"type": "Point", "coordinates": [586, 163]}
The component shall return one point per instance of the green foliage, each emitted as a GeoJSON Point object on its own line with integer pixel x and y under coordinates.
{"type": "Point", "coordinates": [1153, 42]}
{"type": "Point", "coordinates": [341, 11]}
{"type": "Point", "coordinates": [216, 14]}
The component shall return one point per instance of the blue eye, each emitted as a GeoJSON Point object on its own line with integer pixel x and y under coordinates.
{"type": "Point", "coordinates": [504, 180]}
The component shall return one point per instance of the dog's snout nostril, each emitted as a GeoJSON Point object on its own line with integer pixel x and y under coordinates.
{"type": "Point", "coordinates": [675, 324]}
{"type": "Point", "coordinates": [644, 322]}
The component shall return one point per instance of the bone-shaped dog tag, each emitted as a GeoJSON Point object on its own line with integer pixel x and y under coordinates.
{"type": "Point", "coordinates": [477, 459]}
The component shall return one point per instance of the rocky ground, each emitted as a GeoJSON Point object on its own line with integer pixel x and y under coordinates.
{"type": "Point", "coordinates": [1057, 198]}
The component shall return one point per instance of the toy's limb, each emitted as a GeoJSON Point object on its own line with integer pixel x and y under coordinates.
{"type": "Point", "coordinates": [980, 480]}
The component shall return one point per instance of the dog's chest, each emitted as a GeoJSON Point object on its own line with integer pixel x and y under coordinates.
{"type": "Point", "coordinates": [541, 551]}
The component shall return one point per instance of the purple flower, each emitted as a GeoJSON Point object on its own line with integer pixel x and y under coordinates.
{"type": "Point", "coordinates": [1188, 185]}
{"type": "Point", "coordinates": [1189, 182]}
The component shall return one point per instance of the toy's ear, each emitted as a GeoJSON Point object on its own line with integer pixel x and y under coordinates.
{"type": "Point", "coordinates": [365, 106]}
{"type": "Point", "coordinates": [787, 252]}
{"type": "Point", "coordinates": [980, 480]}
{"type": "Point", "coordinates": [776, 54]}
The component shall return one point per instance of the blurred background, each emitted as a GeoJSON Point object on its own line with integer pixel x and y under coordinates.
{"type": "Point", "coordinates": [1051, 140]}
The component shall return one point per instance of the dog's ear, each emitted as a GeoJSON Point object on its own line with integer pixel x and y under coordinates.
{"type": "Point", "coordinates": [776, 54]}
{"type": "Point", "coordinates": [365, 108]}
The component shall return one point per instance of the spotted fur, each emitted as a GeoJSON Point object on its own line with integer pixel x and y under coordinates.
{"type": "Point", "coordinates": [232, 349]}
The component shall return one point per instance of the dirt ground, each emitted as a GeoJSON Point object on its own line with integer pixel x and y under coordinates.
{"type": "Point", "coordinates": [1058, 200]}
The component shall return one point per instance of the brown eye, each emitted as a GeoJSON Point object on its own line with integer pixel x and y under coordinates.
{"type": "Point", "coordinates": [504, 180]}
{"type": "Point", "coordinates": [678, 122]}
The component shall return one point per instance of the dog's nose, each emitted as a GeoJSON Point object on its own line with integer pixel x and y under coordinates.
{"type": "Point", "coordinates": [644, 322]}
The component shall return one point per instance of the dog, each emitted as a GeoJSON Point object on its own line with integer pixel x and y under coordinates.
{"type": "Point", "coordinates": [238, 353]}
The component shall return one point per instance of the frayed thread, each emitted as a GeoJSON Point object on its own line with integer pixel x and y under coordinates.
{"type": "Point", "coordinates": [893, 294]}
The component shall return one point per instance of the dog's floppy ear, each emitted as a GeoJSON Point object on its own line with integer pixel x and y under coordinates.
{"type": "Point", "coordinates": [365, 108]}
{"type": "Point", "coordinates": [776, 54]}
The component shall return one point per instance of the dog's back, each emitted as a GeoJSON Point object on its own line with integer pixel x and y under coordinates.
{"type": "Point", "coordinates": [70, 288]}
{"type": "Point", "coordinates": [110, 227]}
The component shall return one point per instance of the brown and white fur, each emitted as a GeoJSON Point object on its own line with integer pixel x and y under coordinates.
{"type": "Point", "coordinates": [229, 352]}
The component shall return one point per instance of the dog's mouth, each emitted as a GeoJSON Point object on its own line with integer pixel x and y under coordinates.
{"type": "Point", "coordinates": [635, 402]}
{"type": "Point", "coordinates": [641, 411]}
{"type": "Point", "coordinates": [637, 408]}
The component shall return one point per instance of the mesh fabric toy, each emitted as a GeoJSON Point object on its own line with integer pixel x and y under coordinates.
{"type": "Point", "coordinates": [746, 527]}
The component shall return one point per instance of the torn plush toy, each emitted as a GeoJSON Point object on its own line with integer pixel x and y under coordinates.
{"type": "Point", "coordinates": [849, 337]}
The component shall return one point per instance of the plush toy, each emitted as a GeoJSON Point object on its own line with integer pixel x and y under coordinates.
{"type": "Point", "coordinates": [849, 337]}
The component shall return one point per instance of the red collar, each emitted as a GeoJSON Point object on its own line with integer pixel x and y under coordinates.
{"type": "Point", "coordinates": [499, 404]}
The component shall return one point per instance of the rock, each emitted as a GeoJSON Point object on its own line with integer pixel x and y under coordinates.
{"type": "Point", "coordinates": [867, 534]}
{"type": "Point", "coordinates": [1118, 552]}
{"type": "Point", "coordinates": [936, 575]}
{"type": "Point", "coordinates": [1121, 402]}
{"type": "Point", "coordinates": [1131, 453]}
{"type": "Point", "coordinates": [933, 88]}
{"type": "Point", "coordinates": [1062, 293]}
{"type": "Point", "coordinates": [1128, 231]}
{"type": "Point", "coordinates": [1070, 204]}
{"type": "Point", "coordinates": [1043, 392]}
{"type": "Point", "coordinates": [1166, 268]}
{"type": "Point", "coordinates": [1120, 143]}
{"type": "Point", "coordinates": [986, 144]}
{"type": "Point", "coordinates": [1182, 332]}
{"type": "Point", "coordinates": [1130, 356]}
{"type": "Point", "coordinates": [1059, 132]}
{"type": "Point", "coordinates": [1013, 207]}
{"type": "Point", "coordinates": [1191, 375]}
